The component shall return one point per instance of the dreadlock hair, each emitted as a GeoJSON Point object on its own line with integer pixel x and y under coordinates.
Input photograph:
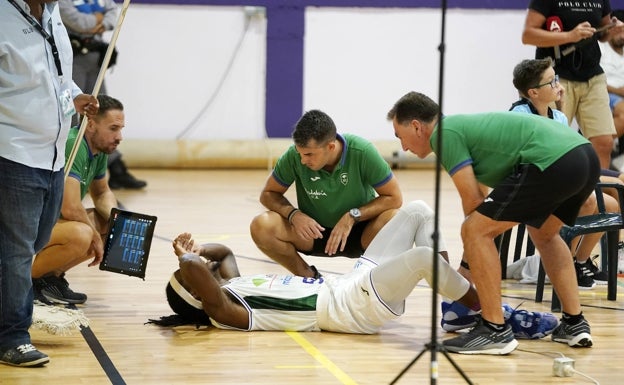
{"type": "Point", "coordinates": [188, 309]}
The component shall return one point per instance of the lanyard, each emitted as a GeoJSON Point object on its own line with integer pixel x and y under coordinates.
{"type": "Point", "coordinates": [49, 38]}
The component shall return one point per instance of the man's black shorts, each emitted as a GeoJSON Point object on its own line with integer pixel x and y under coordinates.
{"type": "Point", "coordinates": [353, 249]}
{"type": "Point", "coordinates": [530, 195]}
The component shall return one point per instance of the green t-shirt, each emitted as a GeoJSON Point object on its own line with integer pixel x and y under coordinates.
{"type": "Point", "coordinates": [327, 196]}
{"type": "Point", "coordinates": [496, 142]}
{"type": "Point", "coordinates": [86, 166]}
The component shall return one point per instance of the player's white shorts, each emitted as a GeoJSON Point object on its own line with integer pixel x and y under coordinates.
{"type": "Point", "coordinates": [349, 303]}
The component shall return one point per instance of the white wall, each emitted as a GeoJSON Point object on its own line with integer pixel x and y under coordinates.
{"type": "Point", "coordinates": [358, 62]}
{"type": "Point", "coordinates": [172, 60]}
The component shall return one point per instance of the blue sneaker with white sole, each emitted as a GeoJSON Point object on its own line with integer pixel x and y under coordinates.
{"type": "Point", "coordinates": [456, 316]}
{"type": "Point", "coordinates": [529, 324]}
{"type": "Point", "coordinates": [525, 324]}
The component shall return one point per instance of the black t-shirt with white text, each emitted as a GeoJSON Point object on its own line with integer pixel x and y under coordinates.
{"type": "Point", "coordinates": [583, 63]}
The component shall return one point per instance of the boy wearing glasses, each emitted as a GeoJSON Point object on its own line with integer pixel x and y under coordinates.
{"type": "Point", "coordinates": [539, 88]}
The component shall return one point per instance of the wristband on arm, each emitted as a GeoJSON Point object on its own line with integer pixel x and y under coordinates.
{"type": "Point", "coordinates": [291, 215]}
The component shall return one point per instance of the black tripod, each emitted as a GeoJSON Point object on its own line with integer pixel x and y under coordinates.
{"type": "Point", "coordinates": [434, 347]}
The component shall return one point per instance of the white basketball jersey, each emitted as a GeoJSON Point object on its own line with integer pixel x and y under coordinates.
{"type": "Point", "coordinates": [277, 302]}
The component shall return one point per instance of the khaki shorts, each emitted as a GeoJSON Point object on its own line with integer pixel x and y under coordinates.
{"type": "Point", "coordinates": [588, 102]}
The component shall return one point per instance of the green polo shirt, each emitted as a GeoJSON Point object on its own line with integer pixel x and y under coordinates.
{"type": "Point", "coordinates": [327, 196]}
{"type": "Point", "coordinates": [86, 166]}
{"type": "Point", "coordinates": [495, 143]}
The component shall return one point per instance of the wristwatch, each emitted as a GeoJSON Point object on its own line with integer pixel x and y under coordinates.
{"type": "Point", "coordinates": [355, 214]}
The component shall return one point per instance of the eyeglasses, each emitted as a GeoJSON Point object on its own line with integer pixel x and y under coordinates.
{"type": "Point", "coordinates": [553, 83]}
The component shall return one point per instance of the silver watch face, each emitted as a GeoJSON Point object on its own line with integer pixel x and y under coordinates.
{"type": "Point", "coordinates": [355, 213]}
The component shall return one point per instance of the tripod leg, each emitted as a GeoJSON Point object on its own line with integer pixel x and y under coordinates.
{"type": "Point", "coordinates": [438, 348]}
{"type": "Point", "coordinates": [410, 365]}
{"type": "Point", "coordinates": [457, 368]}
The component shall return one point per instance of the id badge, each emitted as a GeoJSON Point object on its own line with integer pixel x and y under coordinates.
{"type": "Point", "coordinates": [67, 104]}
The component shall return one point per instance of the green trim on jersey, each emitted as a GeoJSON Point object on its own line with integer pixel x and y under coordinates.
{"type": "Point", "coordinates": [495, 143]}
{"type": "Point", "coordinates": [86, 166]}
{"type": "Point", "coordinates": [326, 196]}
{"type": "Point", "coordinates": [292, 304]}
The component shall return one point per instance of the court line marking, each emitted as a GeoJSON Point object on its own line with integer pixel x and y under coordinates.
{"type": "Point", "coordinates": [322, 359]}
{"type": "Point", "coordinates": [100, 353]}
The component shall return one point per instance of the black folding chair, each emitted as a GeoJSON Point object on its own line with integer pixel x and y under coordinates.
{"type": "Point", "coordinates": [610, 224]}
{"type": "Point", "coordinates": [603, 221]}
{"type": "Point", "coordinates": [523, 246]}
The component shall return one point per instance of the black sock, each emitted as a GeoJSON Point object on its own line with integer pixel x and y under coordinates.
{"type": "Point", "coordinates": [572, 319]}
{"type": "Point", "coordinates": [493, 326]}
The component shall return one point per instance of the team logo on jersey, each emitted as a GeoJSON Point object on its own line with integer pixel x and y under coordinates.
{"type": "Point", "coordinates": [316, 194]}
{"type": "Point", "coordinates": [315, 178]}
{"type": "Point", "coordinates": [258, 281]}
{"type": "Point", "coordinates": [364, 291]}
{"type": "Point", "coordinates": [344, 178]}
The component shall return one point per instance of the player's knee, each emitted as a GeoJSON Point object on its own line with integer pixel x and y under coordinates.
{"type": "Point", "coordinates": [471, 230]}
{"type": "Point", "coordinates": [618, 109]}
{"type": "Point", "coordinates": [589, 206]}
{"type": "Point", "coordinates": [611, 204]}
{"type": "Point", "coordinates": [262, 227]}
{"type": "Point", "coordinates": [465, 231]}
{"type": "Point", "coordinates": [421, 259]}
{"type": "Point", "coordinates": [418, 207]}
{"type": "Point", "coordinates": [82, 235]}
{"type": "Point", "coordinates": [74, 238]}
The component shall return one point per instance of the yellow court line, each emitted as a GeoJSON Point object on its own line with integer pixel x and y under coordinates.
{"type": "Point", "coordinates": [320, 357]}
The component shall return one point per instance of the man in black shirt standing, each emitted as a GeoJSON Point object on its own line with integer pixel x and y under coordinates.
{"type": "Point", "coordinates": [569, 33]}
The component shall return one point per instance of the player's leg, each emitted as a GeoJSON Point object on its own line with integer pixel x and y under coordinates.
{"type": "Point", "coordinates": [277, 239]}
{"type": "Point", "coordinates": [411, 225]}
{"type": "Point", "coordinates": [595, 118]}
{"type": "Point", "coordinates": [395, 278]}
{"type": "Point", "coordinates": [67, 247]}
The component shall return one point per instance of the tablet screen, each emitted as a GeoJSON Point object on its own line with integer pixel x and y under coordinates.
{"type": "Point", "coordinates": [128, 243]}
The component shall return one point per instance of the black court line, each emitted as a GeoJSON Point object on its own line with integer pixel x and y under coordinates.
{"type": "Point", "coordinates": [162, 238]}
{"type": "Point", "coordinates": [98, 350]}
{"type": "Point", "coordinates": [100, 354]}
{"type": "Point", "coordinates": [531, 299]}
